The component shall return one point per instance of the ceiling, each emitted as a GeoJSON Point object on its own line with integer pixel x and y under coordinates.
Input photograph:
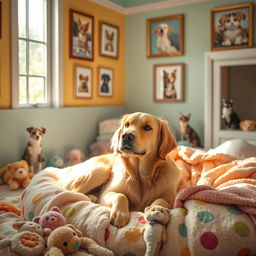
{"type": "Point", "coordinates": [133, 3]}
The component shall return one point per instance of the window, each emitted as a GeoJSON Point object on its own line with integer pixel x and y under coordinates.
{"type": "Point", "coordinates": [36, 31]}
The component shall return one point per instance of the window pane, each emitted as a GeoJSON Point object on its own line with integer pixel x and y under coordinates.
{"type": "Point", "coordinates": [22, 57]}
{"type": "Point", "coordinates": [36, 90]}
{"type": "Point", "coordinates": [37, 59]}
{"type": "Point", "coordinates": [22, 18]}
{"type": "Point", "coordinates": [37, 17]}
{"type": "Point", "coordinates": [22, 90]}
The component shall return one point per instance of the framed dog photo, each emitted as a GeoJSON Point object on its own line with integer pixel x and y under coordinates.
{"type": "Point", "coordinates": [82, 81]}
{"type": "Point", "coordinates": [169, 82]}
{"type": "Point", "coordinates": [232, 27]}
{"type": "Point", "coordinates": [105, 81]}
{"type": "Point", "coordinates": [81, 35]}
{"type": "Point", "coordinates": [165, 36]}
{"type": "Point", "coordinates": [109, 40]}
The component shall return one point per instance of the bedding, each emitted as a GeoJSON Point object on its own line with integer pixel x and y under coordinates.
{"type": "Point", "coordinates": [215, 208]}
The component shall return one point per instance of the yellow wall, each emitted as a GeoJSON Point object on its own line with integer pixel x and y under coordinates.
{"type": "Point", "coordinates": [5, 57]}
{"type": "Point", "coordinates": [100, 14]}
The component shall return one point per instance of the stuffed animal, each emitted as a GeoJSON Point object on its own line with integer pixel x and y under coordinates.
{"type": "Point", "coordinates": [67, 239]}
{"type": "Point", "coordinates": [7, 207]}
{"type": "Point", "coordinates": [74, 156]}
{"type": "Point", "coordinates": [28, 241]}
{"type": "Point", "coordinates": [155, 231]}
{"type": "Point", "coordinates": [231, 118]}
{"type": "Point", "coordinates": [16, 175]}
{"type": "Point", "coordinates": [55, 161]}
{"type": "Point", "coordinates": [247, 125]}
{"type": "Point", "coordinates": [51, 219]}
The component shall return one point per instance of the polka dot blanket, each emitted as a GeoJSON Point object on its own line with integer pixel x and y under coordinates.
{"type": "Point", "coordinates": [198, 228]}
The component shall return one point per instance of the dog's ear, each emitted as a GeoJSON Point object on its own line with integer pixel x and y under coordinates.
{"type": "Point", "coordinates": [167, 141]}
{"type": "Point", "coordinates": [79, 233]}
{"type": "Point", "coordinates": [223, 18]}
{"type": "Point", "coordinates": [156, 30]}
{"type": "Point", "coordinates": [30, 129]}
{"type": "Point", "coordinates": [79, 22]}
{"type": "Point", "coordinates": [43, 130]}
{"type": "Point", "coordinates": [18, 225]}
{"type": "Point", "coordinates": [170, 30]}
{"type": "Point", "coordinates": [241, 16]}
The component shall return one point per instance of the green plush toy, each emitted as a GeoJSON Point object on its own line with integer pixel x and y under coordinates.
{"type": "Point", "coordinates": [55, 161]}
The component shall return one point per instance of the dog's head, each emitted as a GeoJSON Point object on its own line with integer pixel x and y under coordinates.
{"type": "Point", "coordinates": [142, 134]}
{"type": "Point", "coordinates": [172, 76]}
{"type": "Point", "coordinates": [36, 134]}
{"type": "Point", "coordinates": [232, 20]}
{"type": "Point", "coordinates": [109, 36]}
{"type": "Point", "coordinates": [84, 81]}
{"type": "Point", "coordinates": [163, 30]}
{"type": "Point", "coordinates": [105, 78]}
{"type": "Point", "coordinates": [83, 27]}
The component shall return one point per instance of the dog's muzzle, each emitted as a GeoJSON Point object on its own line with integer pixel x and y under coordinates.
{"type": "Point", "coordinates": [127, 141]}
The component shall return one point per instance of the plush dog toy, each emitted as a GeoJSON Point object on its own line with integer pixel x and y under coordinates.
{"type": "Point", "coordinates": [67, 239]}
{"type": "Point", "coordinates": [247, 125]}
{"type": "Point", "coordinates": [29, 241]}
{"type": "Point", "coordinates": [51, 219]}
{"type": "Point", "coordinates": [16, 175]}
{"type": "Point", "coordinates": [155, 231]}
{"type": "Point", "coordinates": [7, 207]}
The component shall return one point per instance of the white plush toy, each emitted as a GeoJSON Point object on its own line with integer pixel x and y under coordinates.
{"type": "Point", "coordinates": [155, 231]}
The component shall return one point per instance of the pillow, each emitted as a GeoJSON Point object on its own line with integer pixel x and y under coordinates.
{"type": "Point", "coordinates": [237, 147]}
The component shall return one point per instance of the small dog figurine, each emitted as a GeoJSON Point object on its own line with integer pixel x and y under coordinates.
{"type": "Point", "coordinates": [109, 38]}
{"type": "Point", "coordinates": [33, 152]}
{"type": "Point", "coordinates": [82, 42]}
{"type": "Point", "coordinates": [105, 87]}
{"type": "Point", "coordinates": [155, 231]}
{"type": "Point", "coordinates": [169, 84]}
{"type": "Point", "coordinates": [230, 31]}
{"type": "Point", "coordinates": [248, 125]}
{"type": "Point", "coordinates": [230, 117]}
{"type": "Point", "coordinates": [83, 87]}
{"type": "Point", "coordinates": [187, 132]}
{"type": "Point", "coordinates": [164, 44]}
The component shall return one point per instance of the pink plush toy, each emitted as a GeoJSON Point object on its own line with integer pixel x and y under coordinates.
{"type": "Point", "coordinates": [51, 219]}
{"type": "Point", "coordinates": [74, 156]}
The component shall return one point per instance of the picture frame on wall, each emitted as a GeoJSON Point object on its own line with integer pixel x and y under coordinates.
{"type": "Point", "coordinates": [168, 82]}
{"type": "Point", "coordinates": [105, 81]}
{"type": "Point", "coordinates": [82, 81]}
{"type": "Point", "coordinates": [232, 27]}
{"type": "Point", "coordinates": [109, 40]}
{"type": "Point", "coordinates": [165, 36]}
{"type": "Point", "coordinates": [81, 35]}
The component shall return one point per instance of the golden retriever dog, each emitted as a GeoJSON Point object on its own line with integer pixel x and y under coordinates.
{"type": "Point", "coordinates": [137, 172]}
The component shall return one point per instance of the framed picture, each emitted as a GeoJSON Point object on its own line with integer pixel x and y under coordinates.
{"type": "Point", "coordinates": [109, 40]}
{"type": "Point", "coordinates": [169, 82]}
{"type": "Point", "coordinates": [81, 35]}
{"type": "Point", "coordinates": [82, 81]}
{"type": "Point", "coordinates": [232, 27]}
{"type": "Point", "coordinates": [165, 36]}
{"type": "Point", "coordinates": [105, 81]}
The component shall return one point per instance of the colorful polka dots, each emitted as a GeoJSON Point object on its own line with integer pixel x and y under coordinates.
{"type": "Point", "coordinates": [242, 229]}
{"type": "Point", "coordinates": [201, 202]}
{"type": "Point", "coordinates": [205, 216]}
{"type": "Point", "coordinates": [133, 235]}
{"type": "Point", "coordinates": [235, 211]}
{"type": "Point", "coordinates": [209, 240]}
{"type": "Point", "coordinates": [69, 212]}
{"type": "Point", "coordinates": [183, 230]}
{"type": "Point", "coordinates": [183, 211]}
{"type": "Point", "coordinates": [185, 252]}
{"type": "Point", "coordinates": [107, 234]}
{"type": "Point", "coordinates": [31, 215]}
{"type": "Point", "coordinates": [245, 252]}
{"type": "Point", "coordinates": [36, 198]}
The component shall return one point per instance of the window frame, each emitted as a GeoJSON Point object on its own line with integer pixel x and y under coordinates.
{"type": "Point", "coordinates": [54, 56]}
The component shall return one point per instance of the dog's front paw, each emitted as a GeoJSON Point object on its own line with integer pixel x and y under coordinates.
{"type": "Point", "coordinates": [226, 43]}
{"type": "Point", "coordinates": [119, 218]}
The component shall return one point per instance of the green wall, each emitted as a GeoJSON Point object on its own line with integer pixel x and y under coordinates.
{"type": "Point", "coordinates": [66, 129]}
{"type": "Point", "coordinates": [139, 68]}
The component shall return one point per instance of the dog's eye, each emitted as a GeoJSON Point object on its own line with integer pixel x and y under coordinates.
{"type": "Point", "coordinates": [127, 125]}
{"type": "Point", "coordinates": [65, 243]}
{"type": "Point", "coordinates": [147, 127]}
{"type": "Point", "coordinates": [74, 233]}
{"type": "Point", "coordinates": [34, 133]}
{"type": "Point", "coordinates": [235, 19]}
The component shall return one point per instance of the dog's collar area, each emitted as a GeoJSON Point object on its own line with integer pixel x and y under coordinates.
{"type": "Point", "coordinates": [152, 222]}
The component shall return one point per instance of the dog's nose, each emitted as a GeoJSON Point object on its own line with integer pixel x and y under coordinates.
{"type": "Point", "coordinates": [127, 137]}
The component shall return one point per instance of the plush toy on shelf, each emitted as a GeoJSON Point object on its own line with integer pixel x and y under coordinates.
{"type": "Point", "coordinates": [28, 241]}
{"type": "Point", "coordinates": [16, 175]}
{"type": "Point", "coordinates": [67, 240]}
{"type": "Point", "coordinates": [74, 156]}
{"type": "Point", "coordinates": [247, 125]}
{"type": "Point", "coordinates": [155, 231]}
{"type": "Point", "coordinates": [55, 161]}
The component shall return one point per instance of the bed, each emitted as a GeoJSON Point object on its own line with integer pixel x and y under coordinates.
{"type": "Point", "coordinates": [214, 209]}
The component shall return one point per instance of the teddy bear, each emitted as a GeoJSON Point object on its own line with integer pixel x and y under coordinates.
{"type": "Point", "coordinates": [51, 219]}
{"type": "Point", "coordinates": [247, 125]}
{"type": "Point", "coordinates": [154, 233]}
{"type": "Point", "coordinates": [29, 240]}
{"type": "Point", "coordinates": [16, 175]}
{"type": "Point", "coordinates": [67, 240]}
{"type": "Point", "coordinates": [74, 156]}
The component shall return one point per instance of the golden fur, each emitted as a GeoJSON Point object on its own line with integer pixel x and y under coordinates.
{"type": "Point", "coordinates": [137, 173]}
